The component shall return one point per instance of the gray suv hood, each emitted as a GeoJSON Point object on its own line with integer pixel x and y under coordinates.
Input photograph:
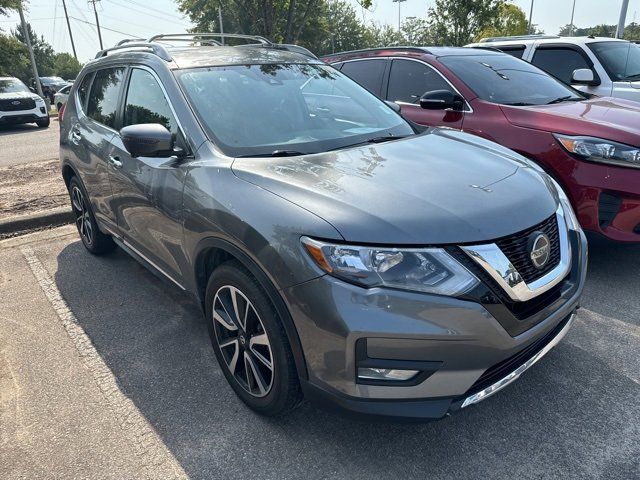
{"type": "Point", "coordinates": [442, 187]}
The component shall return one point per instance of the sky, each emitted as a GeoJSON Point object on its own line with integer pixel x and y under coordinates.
{"type": "Point", "coordinates": [142, 18]}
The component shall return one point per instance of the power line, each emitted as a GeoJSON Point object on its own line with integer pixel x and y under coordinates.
{"type": "Point", "coordinates": [173, 19]}
{"type": "Point", "coordinates": [105, 28]}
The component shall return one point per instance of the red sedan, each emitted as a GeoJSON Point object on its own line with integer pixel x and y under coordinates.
{"type": "Point", "coordinates": [589, 145]}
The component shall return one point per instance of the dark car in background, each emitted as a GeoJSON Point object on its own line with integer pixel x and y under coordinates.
{"type": "Point", "coordinates": [336, 250]}
{"type": "Point", "coordinates": [589, 145]}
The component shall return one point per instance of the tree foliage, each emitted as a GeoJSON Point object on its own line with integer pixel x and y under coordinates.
{"type": "Point", "coordinates": [14, 57]}
{"type": "Point", "coordinates": [457, 22]}
{"type": "Point", "coordinates": [510, 21]}
{"type": "Point", "coordinates": [631, 31]}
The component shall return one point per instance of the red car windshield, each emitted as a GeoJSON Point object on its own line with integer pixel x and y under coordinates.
{"type": "Point", "coordinates": [506, 80]}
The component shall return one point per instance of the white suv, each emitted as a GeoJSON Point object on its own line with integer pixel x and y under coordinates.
{"type": "Point", "coordinates": [601, 66]}
{"type": "Point", "coordinates": [18, 104]}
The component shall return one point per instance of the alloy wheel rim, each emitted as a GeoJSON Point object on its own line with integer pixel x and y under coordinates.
{"type": "Point", "coordinates": [243, 341]}
{"type": "Point", "coordinates": [83, 220]}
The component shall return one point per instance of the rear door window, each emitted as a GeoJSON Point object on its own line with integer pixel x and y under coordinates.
{"type": "Point", "coordinates": [559, 61]}
{"type": "Point", "coordinates": [103, 99]}
{"type": "Point", "coordinates": [367, 73]}
{"type": "Point", "coordinates": [83, 90]}
{"type": "Point", "coordinates": [409, 80]}
{"type": "Point", "coordinates": [513, 50]}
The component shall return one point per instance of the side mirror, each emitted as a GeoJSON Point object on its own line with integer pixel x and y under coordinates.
{"type": "Point", "coordinates": [147, 140]}
{"type": "Point", "coordinates": [583, 76]}
{"type": "Point", "coordinates": [393, 105]}
{"type": "Point", "coordinates": [442, 100]}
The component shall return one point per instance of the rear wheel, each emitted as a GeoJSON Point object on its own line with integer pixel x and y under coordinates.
{"type": "Point", "coordinates": [250, 342]}
{"type": "Point", "coordinates": [93, 239]}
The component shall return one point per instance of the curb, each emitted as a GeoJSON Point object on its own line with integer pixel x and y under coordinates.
{"type": "Point", "coordinates": [33, 221]}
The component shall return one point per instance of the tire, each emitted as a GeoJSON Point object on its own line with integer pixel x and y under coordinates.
{"type": "Point", "coordinates": [58, 107]}
{"type": "Point", "coordinates": [268, 392]}
{"type": "Point", "coordinates": [44, 123]}
{"type": "Point", "coordinates": [92, 238]}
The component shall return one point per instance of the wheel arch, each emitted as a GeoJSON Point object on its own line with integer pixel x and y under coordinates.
{"type": "Point", "coordinates": [212, 252]}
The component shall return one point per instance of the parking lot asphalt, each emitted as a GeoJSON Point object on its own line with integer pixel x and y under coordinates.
{"type": "Point", "coordinates": [28, 143]}
{"type": "Point", "coordinates": [107, 372]}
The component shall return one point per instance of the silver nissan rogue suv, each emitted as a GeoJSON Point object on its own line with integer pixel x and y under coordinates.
{"type": "Point", "coordinates": [338, 252]}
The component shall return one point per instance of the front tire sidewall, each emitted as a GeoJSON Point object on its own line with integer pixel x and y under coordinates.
{"type": "Point", "coordinates": [281, 397]}
{"type": "Point", "coordinates": [43, 123]}
{"type": "Point", "coordinates": [100, 243]}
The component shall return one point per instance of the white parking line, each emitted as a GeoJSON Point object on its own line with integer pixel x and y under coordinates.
{"type": "Point", "coordinates": [156, 459]}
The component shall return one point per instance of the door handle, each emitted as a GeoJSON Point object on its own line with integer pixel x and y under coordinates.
{"type": "Point", "coordinates": [75, 136]}
{"type": "Point", "coordinates": [115, 161]}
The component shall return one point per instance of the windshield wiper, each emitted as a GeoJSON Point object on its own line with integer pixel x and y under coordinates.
{"type": "Point", "coordinates": [631, 78]}
{"type": "Point", "coordinates": [386, 138]}
{"type": "Point", "coordinates": [568, 98]}
{"type": "Point", "coordinates": [275, 153]}
{"type": "Point", "coordinates": [519, 104]}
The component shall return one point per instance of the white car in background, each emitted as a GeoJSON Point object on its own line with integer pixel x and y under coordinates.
{"type": "Point", "coordinates": [19, 105]}
{"type": "Point", "coordinates": [61, 96]}
{"type": "Point", "coordinates": [602, 66]}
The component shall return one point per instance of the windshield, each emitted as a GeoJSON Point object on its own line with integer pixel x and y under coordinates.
{"type": "Point", "coordinates": [12, 85]}
{"type": "Point", "coordinates": [253, 110]}
{"type": "Point", "coordinates": [51, 79]}
{"type": "Point", "coordinates": [506, 80]}
{"type": "Point", "coordinates": [621, 60]}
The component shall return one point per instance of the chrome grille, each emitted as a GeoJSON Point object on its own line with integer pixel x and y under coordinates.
{"type": "Point", "coordinates": [517, 251]}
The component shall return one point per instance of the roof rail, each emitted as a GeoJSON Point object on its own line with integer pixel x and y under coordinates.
{"type": "Point", "coordinates": [377, 49]}
{"type": "Point", "coordinates": [132, 44]}
{"type": "Point", "coordinates": [194, 37]}
{"type": "Point", "coordinates": [129, 40]}
{"type": "Point", "coordinates": [517, 37]}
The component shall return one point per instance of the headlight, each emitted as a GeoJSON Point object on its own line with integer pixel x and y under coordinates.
{"type": "Point", "coordinates": [600, 150]}
{"type": "Point", "coordinates": [430, 270]}
{"type": "Point", "coordinates": [39, 100]}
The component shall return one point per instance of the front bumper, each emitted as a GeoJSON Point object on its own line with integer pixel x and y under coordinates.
{"type": "Point", "coordinates": [467, 342]}
{"type": "Point", "coordinates": [23, 116]}
{"type": "Point", "coordinates": [606, 198]}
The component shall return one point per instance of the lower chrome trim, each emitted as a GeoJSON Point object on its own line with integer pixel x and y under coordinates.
{"type": "Point", "coordinates": [513, 376]}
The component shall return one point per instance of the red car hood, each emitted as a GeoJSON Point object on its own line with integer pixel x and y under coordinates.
{"type": "Point", "coordinates": [603, 117]}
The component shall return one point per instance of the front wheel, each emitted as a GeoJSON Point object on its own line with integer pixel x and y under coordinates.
{"type": "Point", "coordinates": [44, 123]}
{"type": "Point", "coordinates": [93, 239]}
{"type": "Point", "coordinates": [250, 342]}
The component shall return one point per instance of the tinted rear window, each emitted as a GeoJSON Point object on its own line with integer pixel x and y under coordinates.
{"type": "Point", "coordinates": [367, 73]}
{"type": "Point", "coordinates": [103, 100]}
{"type": "Point", "coordinates": [559, 62]}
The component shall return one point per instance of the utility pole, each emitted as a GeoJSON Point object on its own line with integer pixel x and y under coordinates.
{"type": "Point", "coordinates": [73, 45]}
{"type": "Point", "coordinates": [573, 11]}
{"type": "Point", "coordinates": [623, 17]}
{"type": "Point", "coordinates": [27, 38]}
{"type": "Point", "coordinates": [398, 2]}
{"type": "Point", "coordinates": [95, 12]}
{"type": "Point", "coordinates": [530, 16]}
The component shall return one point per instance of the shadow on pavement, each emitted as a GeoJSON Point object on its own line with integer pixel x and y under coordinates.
{"type": "Point", "coordinates": [572, 416]}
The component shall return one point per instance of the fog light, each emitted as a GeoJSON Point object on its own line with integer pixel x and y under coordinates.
{"type": "Point", "coordinates": [386, 374]}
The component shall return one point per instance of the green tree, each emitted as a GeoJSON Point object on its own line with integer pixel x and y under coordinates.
{"type": "Point", "coordinates": [277, 20]}
{"type": "Point", "coordinates": [14, 58]}
{"type": "Point", "coordinates": [66, 66]}
{"type": "Point", "coordinates": [510, 21]}
{"type": "Point", "coordinates": [42, 51]}
{"type": "Point", "coordinates": [458, 22]}
{"type": "Point", "coordinates": [6, 5]}
{"type": "Point", "coordinates": [416, 31]}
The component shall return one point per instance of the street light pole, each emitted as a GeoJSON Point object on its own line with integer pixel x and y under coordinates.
{"type": "Point", "coordinates": [623, 17]}
{"type": "Point", "coordinates": [571, 29]}
{"type": "Point", "coordinates": [530, 15]}
{"type": "Point", "coordinates": [398, 2]}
